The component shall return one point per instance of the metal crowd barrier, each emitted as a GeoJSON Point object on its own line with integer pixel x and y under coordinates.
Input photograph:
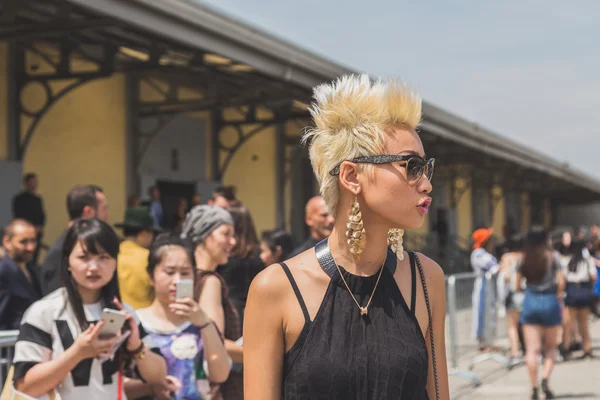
{"type": "Point", "coordinates": [462, 345]}
{"type": "Point", "coordinates": [7, 343]}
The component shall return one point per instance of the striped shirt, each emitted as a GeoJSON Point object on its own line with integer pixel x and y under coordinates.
{"type": "Point", "coordinates": [48, 328]}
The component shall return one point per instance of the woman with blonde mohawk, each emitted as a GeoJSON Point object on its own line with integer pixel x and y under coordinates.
{"type": "Point", "coordinates": [357, 317]}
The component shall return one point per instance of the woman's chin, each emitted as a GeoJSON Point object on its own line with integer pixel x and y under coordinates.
{"type": "Point", "coordinates": [412, 224]}
{"type": "Point", "coordinates": [223, 260]}
{"type": "Point", "coordinates": [91, 286]}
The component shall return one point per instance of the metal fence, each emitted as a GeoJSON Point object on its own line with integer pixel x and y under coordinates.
{"type": "Point", "coordinates": [7, 343]}
{"type": "Point", "coordinates": [467, 348]}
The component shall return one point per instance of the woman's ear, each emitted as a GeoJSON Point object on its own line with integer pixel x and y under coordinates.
{"type": "Point", "coordinates": [151, 280]}
{"type": "Point", "coordinates": [349, 177]}
{"type": "Point", "coordinates": [278, 252]}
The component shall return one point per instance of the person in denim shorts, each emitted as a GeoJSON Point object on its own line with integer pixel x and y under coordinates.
{"type": "Point", "coordinates": [541, 315]}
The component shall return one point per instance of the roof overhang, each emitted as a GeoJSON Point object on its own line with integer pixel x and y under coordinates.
{"type": "Point", "coordinates": [297, 71]}
{"type": "Point", "coordinates": [201, 27]}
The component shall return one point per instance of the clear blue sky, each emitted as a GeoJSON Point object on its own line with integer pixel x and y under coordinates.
{"type": "Point", "coordinates": [527, 69]}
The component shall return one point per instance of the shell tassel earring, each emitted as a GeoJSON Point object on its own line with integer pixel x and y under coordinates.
{"type": "Point", "coordinates": [395, 242]}
{"type": "Point", "coordinates": [355, 231]}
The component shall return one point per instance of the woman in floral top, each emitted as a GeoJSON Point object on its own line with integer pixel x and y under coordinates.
{"type": "Point", "coordinates": [187, 338]}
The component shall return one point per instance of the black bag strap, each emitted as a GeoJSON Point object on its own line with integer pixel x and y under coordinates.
{"type": "Point", "coordinates": [414, 257]}
{"type": "Point", "coordinates": [325, 258]}
{"type": "Point", "coordinates": [330, 267]}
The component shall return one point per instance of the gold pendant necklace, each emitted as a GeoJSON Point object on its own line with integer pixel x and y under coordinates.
{"type": "Point", "coordinates": [363, 310]}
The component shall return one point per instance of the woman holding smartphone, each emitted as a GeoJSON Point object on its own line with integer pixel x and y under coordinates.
{"type": "Point", "coordinates": [187, 338]}
{"type": "Point", "coordinates": [59, 345]}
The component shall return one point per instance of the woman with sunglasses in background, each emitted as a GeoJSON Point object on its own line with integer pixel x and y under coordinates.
{"type": "Point", "coordinates": [354, 317]}
{"type": "Point", "coordinates": [59, 345]}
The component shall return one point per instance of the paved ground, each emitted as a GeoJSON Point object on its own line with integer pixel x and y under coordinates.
{"type": "Point", "coordinates": [576, 379]}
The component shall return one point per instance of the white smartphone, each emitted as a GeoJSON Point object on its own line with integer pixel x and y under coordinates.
{"type": "Point", "coordinates": [185, 288]}
{"type": "Point", "coordinates": [113, 322]}
{"type": "Point", "coordinates": [121, 340]}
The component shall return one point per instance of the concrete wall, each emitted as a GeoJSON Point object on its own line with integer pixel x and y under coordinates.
{"type": "Point", "coordinates": [186, 136]}
{"type": "Point", "coordinates": [576, 215]}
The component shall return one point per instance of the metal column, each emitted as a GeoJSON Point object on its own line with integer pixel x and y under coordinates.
{"type": "Point", "coordinates": [16, 69]}
{"type": "Point", "coordinates": [215, 128]}
{"type": "Point", "coordinates": [132, 162]}
{"type": "Point", "coordinates": [280, 174]}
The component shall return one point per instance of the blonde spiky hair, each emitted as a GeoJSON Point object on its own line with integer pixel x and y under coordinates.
{"type": "Point", "coordinates": [350, 116]}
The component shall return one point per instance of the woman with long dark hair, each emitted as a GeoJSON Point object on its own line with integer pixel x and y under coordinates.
{"type": "Point", "coordinates": [275, 246]}
{"type": "Point", "coordinates": [580, 272]}
{"type": "Point", "coordinates": [541, 314]}
{"type": "Point", "coordinates": [59, 345]}
{"type": "Point", "coordinates": [244, 263]}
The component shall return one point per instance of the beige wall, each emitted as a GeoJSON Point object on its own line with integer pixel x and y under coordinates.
{"type": "Point", "coordinates": [499, 219]}
{"type": "Point", "coordinates": [547, 214]}
{"type": "Point", "coordinates": [464, 211]}
{"type": "Point", "coordinates": [81, 139]}
{"type": "Point", "coordinates": [252, 171]}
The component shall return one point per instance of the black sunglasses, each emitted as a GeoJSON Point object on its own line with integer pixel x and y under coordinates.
{"type": "Point", "coordinates": [416, 166]}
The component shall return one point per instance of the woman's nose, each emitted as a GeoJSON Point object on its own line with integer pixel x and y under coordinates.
{"type": "Point", "coordinates": [425, 185]}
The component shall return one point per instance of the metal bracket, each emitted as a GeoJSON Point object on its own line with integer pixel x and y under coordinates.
{"type": "Point", "coordinates": [25, 75]}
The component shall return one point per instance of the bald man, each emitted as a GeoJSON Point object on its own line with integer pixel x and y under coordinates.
{"type": "Point", "coordinates": [319, 220]}
{"type": "Point", "coordinates": [19, 284]}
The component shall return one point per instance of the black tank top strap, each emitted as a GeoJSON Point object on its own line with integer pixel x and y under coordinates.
{"type": "Point", "coordinates": [413, 285]}
{"type": "Point", "coordinates": [296, 291]}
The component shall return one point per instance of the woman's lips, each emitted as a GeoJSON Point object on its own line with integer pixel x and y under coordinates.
{"type": "Point", "coordinates": [423, 206]}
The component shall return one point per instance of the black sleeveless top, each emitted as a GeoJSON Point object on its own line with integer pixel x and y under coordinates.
{"type": "Point", "coordinates": [343, 355]}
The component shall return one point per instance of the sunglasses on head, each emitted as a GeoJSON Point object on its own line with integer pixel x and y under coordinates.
{"type": "Point", "coordinates": [416, 166]}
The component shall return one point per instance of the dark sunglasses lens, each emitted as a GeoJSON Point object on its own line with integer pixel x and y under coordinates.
{"type": "Point", "coordinates": [414, 169]}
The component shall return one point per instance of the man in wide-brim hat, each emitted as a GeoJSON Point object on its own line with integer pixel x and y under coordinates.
{"type": "Point", "coordinates": [134, 284]}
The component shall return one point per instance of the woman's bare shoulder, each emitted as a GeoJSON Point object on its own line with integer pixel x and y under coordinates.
{"type": "Point", "coordinates": [273, 280]}
{"type": "Point", "coordinates": [434, 274]}
{"type": "Point", "coordinates": [269, 282]}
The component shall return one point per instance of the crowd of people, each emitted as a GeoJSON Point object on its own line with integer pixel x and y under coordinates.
{"type": "Point", "coordinates": [549, 289]}
{"type": "Point", "coordinates": [91, 267]}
